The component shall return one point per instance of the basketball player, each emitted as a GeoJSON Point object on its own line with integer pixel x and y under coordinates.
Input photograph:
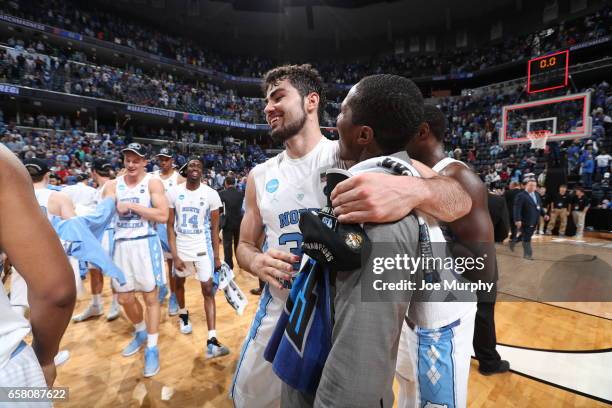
{"type": "Point", "coordinates": [449, 326]}
{"type": "Point", "coordinates": [193, 235]}
{"type": "Point", "coordinates": [52, 203]}
{"type": "Point", "coordinates": [141, 203]}
{"type": "Point", "coordinates": [82, 195]}
{"type": "Point", "coordinates": [170, 177]}
{"type": "Point", "coordinates": [101, 174]}
{"type": "Point", "coordinates": [41, 260]}
{"type": "Point", "coordinates": [277, 191]}
{"type": "Point", "coordinates": [377, 118]}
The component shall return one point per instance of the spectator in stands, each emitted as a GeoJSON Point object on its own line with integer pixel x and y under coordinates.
{"type": "Point", "coordinates": [587, 168]}
{"type": "Point", "coordinates": [603, 164]}
{"type": "Point", "coordinates": [605, 182]}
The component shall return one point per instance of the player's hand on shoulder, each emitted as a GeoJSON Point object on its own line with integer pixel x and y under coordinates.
{"type": "Point", "coordinates": [273, 265]}
{"type": "Point", "coordinates": [371, 197]}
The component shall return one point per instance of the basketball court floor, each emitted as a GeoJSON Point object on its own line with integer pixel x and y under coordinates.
{"type": "Point", "coordinates": [561, 352]}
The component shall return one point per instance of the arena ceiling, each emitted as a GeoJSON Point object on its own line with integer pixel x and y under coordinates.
{"type": "Point", "coordinates": [307, 19]}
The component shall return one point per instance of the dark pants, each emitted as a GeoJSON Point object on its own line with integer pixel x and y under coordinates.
{"type": "Point", "coordinates": [512, 230]}
{"type": "Point", "coordinates": [231, 236]}
{"type": "Point", "coordinates": [485, 339]}
{"type": "Point", "coordinates": [526, 234]}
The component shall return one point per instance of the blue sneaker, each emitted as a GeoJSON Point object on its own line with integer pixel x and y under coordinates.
{"type": "Point", "coordinates": [151, 361]}
{"type": "Point", "coordinates": [132, 348]}
{"type": "Point", "coordinates": [163, 292]}
{"type": "Point", "coordinates": [173, 306]}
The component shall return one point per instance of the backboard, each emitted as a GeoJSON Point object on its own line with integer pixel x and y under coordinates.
{"type": "Point", "coordinates": [561, 118]}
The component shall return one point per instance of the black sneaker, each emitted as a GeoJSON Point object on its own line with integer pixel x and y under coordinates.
{"type": "Point", "coordinates": [184, 324]}
{"type": "Point", "coordinates": [215, 349]}
{"type": "Point", "coordinates": [503, 367]}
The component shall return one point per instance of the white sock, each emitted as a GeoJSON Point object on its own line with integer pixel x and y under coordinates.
{"type": "Point", "coordinates": [96, 300]}
{"type": "Point", "coordinates": [152, 339]}
{"type": "Point", "coordinates": [182, 311]}
{"type": "Point", "coordinates": [211, 334]}
{"type": "Point", "coordinates": [115, 299]}
{"type": "Point", "coordinates": [140, 326]}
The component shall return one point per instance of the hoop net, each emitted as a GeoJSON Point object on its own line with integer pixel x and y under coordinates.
{"type": "Point", "coordinates": [538, 138]}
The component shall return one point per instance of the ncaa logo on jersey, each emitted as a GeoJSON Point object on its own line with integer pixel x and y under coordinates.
{"type": "Point", "coordinates": [121, 187]}
{"type": "Point", "coordinates": [272, 185]}
{"type": "Point", "coordinates": [142, 191]}
{"type": "Point", "coordinates": [181, 197]}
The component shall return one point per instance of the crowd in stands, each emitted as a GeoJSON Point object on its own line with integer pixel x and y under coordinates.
{"type": "Point", "coordinates": [70, 152]}
{"type": "Point", "coordinates": [474, 121]}
{"type": "Point", "coordinates": [164, 91]}
{"type": "Point", "coordinates": [88, 20]}
{"type": "Point", "coordinates": [38, 65]}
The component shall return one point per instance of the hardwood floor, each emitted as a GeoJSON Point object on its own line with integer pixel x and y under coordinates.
{"type": "Point", "coordinates": [98, 376]}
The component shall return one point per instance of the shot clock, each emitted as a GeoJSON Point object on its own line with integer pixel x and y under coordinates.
{"type": "Point", "coordinates": [548, 72]}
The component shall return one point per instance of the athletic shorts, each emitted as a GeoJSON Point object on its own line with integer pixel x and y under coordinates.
{"type": "Point", "coordinates": [433, 365]}
{"type": "Point", "coordinates": [140, 260]}
{"type": "Point", "coordinates": [201, 269]}
{"type": "Point", "coordinates": [107, 240]}
{"type": "Point", "coordinates": [255, 384]}
{"type": "Point", "coordinates": [23, 370]}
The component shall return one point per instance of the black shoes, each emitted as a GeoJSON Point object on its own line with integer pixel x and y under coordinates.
{"type": "Point", "coordinates": [503, 367]}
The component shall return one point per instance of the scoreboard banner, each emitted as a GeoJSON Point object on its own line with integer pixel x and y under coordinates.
{"type": "Point", "coordinates": [548, 72]}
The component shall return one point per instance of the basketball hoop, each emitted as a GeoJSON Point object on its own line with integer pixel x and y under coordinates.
{"type": "Point", "coordinates": [538, 138]}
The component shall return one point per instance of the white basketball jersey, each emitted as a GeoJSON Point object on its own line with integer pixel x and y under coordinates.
{"type": "Point", "coordinates": [285, 187]}
{"type": "Point", "coordinates": [445, 162]}
{"type": "Point", "coordinates": [13, 328]}
{"type": "Point", "coordinates": [83, 197]}
{"type": "Point", "coordinates": [98, 199]}
{"type": "Point", "coordinates": [438, 314]}
{"type": "Point", "coordinates": [42, 196]}
{"type": "Point", "coordinates": [167, 182]}
{"type": "Point", "coordinates": [192, 219]}
{"type": "Point", "coordinates": [132, 225]}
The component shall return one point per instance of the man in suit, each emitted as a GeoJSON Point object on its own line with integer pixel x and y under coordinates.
{"type": "Point", "coordinates": [232, 199]}
{"type": "Point", "coordinates": [510, 195]}
{"type": "Point", "coordinates": [499, 216]}
{"type": "Point", "coordinates": [528, 207]}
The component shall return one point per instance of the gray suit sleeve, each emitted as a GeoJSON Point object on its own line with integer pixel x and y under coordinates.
{"type": "Point", "coordinates": [360, 367]}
